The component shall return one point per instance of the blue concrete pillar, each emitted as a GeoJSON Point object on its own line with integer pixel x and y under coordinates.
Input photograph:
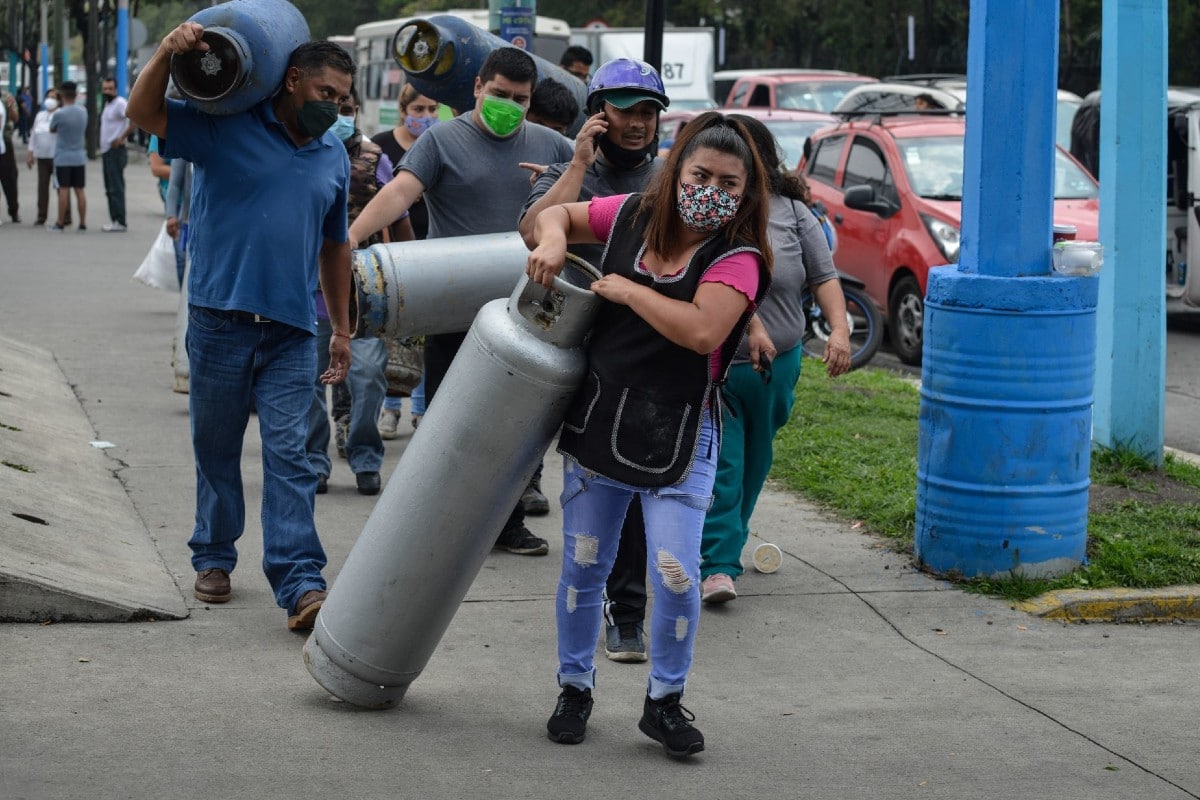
{"type": "Point", "coordinates": [1009, 348]}
{"type": "Point", "coordinates": [122, 55]}
{"type": "Point", "coordinates": [1131, 361]}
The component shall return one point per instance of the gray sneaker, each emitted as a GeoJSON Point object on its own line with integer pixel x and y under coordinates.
{"type": "Point", "coordinates": [625, 642]}
{"type": "Point", "coordinates": [341, 432]}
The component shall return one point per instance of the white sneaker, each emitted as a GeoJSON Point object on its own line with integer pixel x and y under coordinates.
{"type": "Point", "coordinates": [114, 227]}
{"type": "Point", "coordinates": [389, 420]}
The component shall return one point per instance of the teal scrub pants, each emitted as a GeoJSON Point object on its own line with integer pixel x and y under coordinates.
{"type": "Point", "coordinates": [753, 413]}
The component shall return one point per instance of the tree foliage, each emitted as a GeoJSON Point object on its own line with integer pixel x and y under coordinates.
{"type": "Point", "coordinates": [867, 36]}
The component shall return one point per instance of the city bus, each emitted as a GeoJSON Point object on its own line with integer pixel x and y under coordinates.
{"type": "Point", "coordinates": [380, 77]}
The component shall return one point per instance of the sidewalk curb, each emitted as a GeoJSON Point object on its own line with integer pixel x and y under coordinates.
{"type": "Point", "coordinates": [1117, 605]}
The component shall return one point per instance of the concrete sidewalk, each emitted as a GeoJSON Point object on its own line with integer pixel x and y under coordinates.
{"type": "Point", "coordinates": [844, 675]}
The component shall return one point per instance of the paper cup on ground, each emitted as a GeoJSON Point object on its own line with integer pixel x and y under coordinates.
{"type": "Point", "coordinates": [767, 557]}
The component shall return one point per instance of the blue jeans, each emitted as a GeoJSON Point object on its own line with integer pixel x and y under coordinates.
{"type": "Point", "coordinates": [231, 361]}
{"type": "Point", "coordinates": [418, 400]}
{"type": "Point", "coordinates": [367, 383]}
{"type": "Point", "coordinates": [593, 510]}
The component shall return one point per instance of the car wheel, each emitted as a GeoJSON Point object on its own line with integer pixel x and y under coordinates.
{"type": "Point", "coordinates": [906, 320]}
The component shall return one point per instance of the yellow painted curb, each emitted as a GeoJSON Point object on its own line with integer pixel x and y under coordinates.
{"type": "Point", "coordinates": [1117, 605]}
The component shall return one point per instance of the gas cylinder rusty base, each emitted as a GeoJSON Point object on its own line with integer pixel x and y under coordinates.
{"type": "Point", "coordinates": [344, 686]}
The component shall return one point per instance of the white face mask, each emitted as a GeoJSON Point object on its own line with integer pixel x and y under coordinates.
{"type": "Point", "coordinates": [50, 104]}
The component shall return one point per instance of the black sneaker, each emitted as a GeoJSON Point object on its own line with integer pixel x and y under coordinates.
{"type": "Point", "coordinates": [568, 723]}
{"type": "Point", "coordinates": [533, 502]}
{"type": "Point", "coordinates": [520, 541]}
{"type": "Point", "coordinates": [668, 722]}
{"type": "Point", "coordinates": [322, 484]}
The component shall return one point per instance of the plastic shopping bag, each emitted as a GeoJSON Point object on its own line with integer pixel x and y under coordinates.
{"type": "Point", "coordinates": [158, 267]}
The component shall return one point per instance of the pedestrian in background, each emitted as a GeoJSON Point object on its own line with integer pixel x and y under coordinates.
{"type": "Point", "coordinates": [41, 150]}
{"type": "Point", "coordinates": [115, 128]}
{"type": "Point", "coordinates": [8, 155]}
{"type": "Point", "coordinates": [417, 114]}
{"type": "Point", "coordinates": [268, 221]}
{"type": "Point", "coordinates": [759, 394]}
{"type": "Point", "coordinates": [577, 60]}
{"type": "Point", "coordinates": [70, 156]}
{"type": "Point", "coordinates": [25, 109]}
{"type": "Point", "coordinates": [553, 106]}
{"type": "Point", "coordinates": [178, 208]}
{"type": "Point", "coordinates": [367, 380]}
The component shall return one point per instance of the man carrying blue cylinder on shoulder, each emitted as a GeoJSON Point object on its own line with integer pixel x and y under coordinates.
{"type": "Point", "coordinates": [268, 218]}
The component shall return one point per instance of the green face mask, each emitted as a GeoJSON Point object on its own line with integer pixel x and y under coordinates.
{"type": "Point", "coordinates": [315, 116]}
{"type": "Point", "coordinates": [502, 117]}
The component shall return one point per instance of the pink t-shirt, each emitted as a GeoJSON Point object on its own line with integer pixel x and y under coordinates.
{"type": "Point", "coordinates": [738, 271]}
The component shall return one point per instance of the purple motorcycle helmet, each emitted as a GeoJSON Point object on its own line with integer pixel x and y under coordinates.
{"type": "Point", "coordinates": [625, 82]}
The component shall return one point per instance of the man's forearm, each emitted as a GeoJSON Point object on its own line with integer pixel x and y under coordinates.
{"type": "Point", "coordinates": [147, 103]}
{"type": "Point", "coordinates": [565, 190]}
{"type": "Point", "coordinates": [334, 263]}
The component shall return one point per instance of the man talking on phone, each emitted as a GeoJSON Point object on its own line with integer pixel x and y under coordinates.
{"type": "Point", "coordinates": [615, 153]}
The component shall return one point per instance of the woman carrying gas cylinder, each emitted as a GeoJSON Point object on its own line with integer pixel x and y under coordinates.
{"type": "Point", "coordinates": [684, 267]}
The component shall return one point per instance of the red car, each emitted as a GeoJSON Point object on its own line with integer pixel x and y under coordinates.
{"type": "Point", "coordinates": [893, 189]}
{"type": "Point", "coordinates": [811, 90]}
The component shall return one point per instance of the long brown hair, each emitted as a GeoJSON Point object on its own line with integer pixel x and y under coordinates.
{"type": "Point", "coordinates": [782, 181]}
{"type": "Point", "coordinates": [749, 225]}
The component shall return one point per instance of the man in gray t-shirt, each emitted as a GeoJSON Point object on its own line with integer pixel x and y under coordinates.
{"type": "Point", "coordinates": [70, 155]}
{"type": "Point", "coordinates": [468, 170]}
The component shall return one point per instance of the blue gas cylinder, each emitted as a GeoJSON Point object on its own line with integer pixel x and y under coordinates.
{"type": "Point", "coordinates": [250, 42]}
{"type": "Point", "coordinates": [442, 54]}
{"type": "Point", "coordinates": [1005, 424]}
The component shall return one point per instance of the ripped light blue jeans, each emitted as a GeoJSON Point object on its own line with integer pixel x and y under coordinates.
{"type": "Point", "coordinates": [593, 510]}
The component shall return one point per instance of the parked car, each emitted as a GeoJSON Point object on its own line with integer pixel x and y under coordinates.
{"type": "Point", "coordinates": [812, 89]}
{"type": "Point", "coordinates": [893, 188]}
{"type": "Point", "coordinates": [897, 97]}
{"type": "Point", "coordinates": [955, 86]}
{"type": "Point", "coordinates": [790, 128]}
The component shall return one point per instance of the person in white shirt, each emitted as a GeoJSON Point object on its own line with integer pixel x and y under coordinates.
{"type": "Point", "coordinates": [115, 128]}
{"type": "Point", "coordinates": [41, 150]}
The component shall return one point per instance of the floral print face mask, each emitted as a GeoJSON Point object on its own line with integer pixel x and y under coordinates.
{"type": "Point", "coordinates": [705, 209]}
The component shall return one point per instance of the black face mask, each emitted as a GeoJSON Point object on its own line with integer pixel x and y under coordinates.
{"type": "Point", "coordinates": [621, 158]}
{"type": "Point", "coordinates": [316, 116]}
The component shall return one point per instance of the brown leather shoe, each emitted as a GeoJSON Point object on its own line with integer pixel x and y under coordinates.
{"type": "Point", "coordinates": [306, 610]}
{"type": "Point", "coordinates": [212, 586]}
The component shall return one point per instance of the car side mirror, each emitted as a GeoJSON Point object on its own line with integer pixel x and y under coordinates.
{"type": "Point", "coordinates": [863, 198]}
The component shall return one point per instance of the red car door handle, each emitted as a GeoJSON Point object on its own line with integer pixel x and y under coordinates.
{"type": "Point", "coordinates": [837, 218]}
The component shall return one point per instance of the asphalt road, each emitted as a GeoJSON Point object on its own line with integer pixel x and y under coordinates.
{"type": "Point", "coordinates": [1182, 427]}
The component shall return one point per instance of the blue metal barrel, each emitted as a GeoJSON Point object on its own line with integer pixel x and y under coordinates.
{"type": "Point", "coordinates": [1005, 423]}
{"type": "Point", "coordinates": [249, 42]}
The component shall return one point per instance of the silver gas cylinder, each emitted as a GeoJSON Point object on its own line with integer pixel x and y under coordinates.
{"type": "Point", "coordinates": [433, 286]}
{"type": "Point", "coordinates": [498, 409]}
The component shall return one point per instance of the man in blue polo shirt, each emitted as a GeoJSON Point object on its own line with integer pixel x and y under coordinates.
{"type": "Point", "coordinates": [268, 216]}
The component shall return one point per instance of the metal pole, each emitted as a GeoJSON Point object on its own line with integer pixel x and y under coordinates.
{"type": "Point", "coordinates": [44, 53]}
{"type": "Point", "coordinates": [1131, 352]}
{"type": "Point", "coordinates": [60, 35]}
{"type": "Point", "coordinates": [122, 54]}
{"type": "Point", "coordinates": [652, 49]}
